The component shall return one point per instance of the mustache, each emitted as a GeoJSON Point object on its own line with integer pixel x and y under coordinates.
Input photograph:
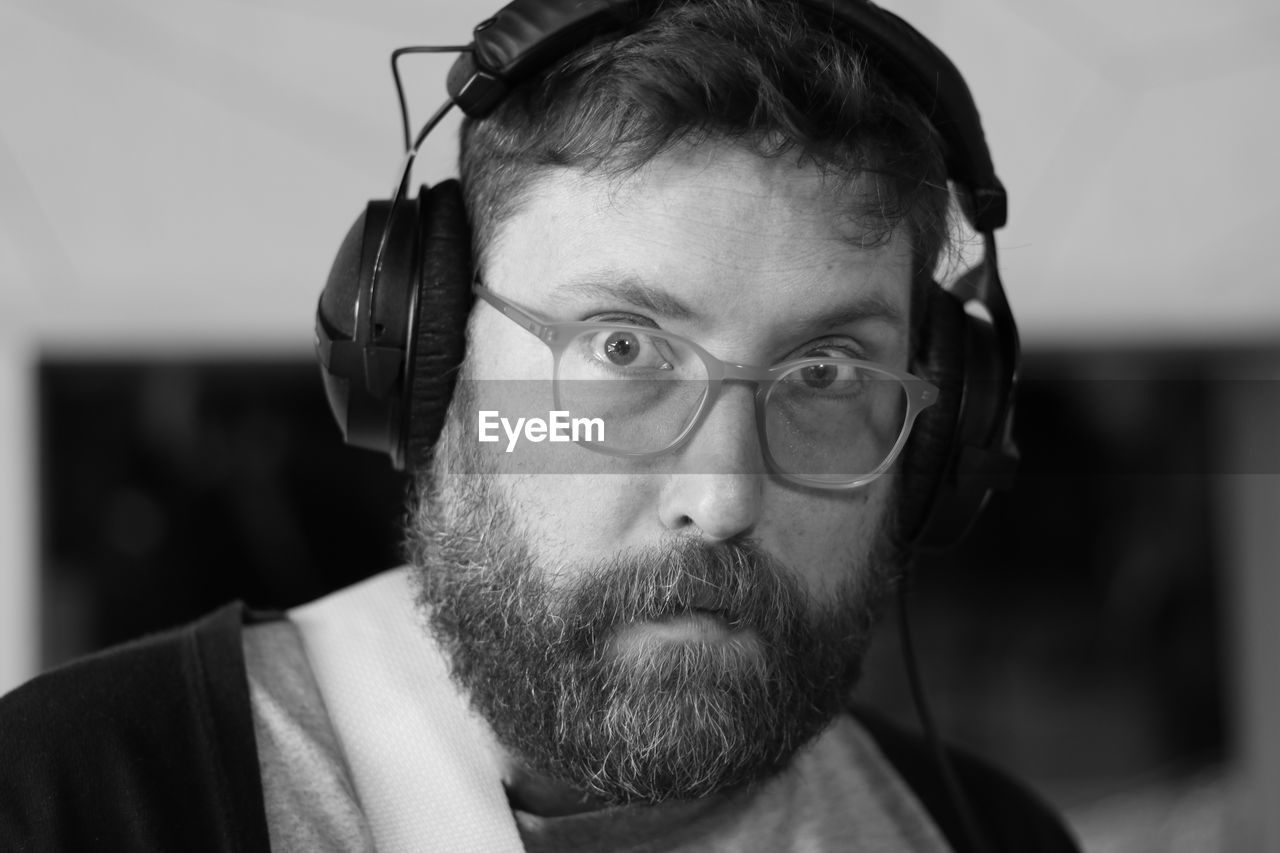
{"type": "Point", "coordinates": [739, 581]}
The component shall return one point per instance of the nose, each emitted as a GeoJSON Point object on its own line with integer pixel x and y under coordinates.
{"type": "Point", "coordinates": [717, 486]}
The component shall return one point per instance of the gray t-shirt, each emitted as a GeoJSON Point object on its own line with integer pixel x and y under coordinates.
{"type": "Point", "coordinates": [838, 794]}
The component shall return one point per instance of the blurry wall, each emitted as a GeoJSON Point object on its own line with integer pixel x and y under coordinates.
{"type": "Point", "coordinates": [174, 179]}
{"type": "Point", "coordinates": [179, 173]}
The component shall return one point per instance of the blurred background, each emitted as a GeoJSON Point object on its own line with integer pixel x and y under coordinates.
{"type": "Point", "coordinates": [175, 178]}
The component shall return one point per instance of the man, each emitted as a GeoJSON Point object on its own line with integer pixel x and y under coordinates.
{"type": "Point", "coordinates": [707, 241]}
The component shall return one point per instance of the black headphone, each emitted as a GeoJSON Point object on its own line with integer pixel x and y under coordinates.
{"type": "Point", "coordinates": [390, 327]}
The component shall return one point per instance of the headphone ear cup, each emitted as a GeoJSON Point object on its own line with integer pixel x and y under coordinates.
{"type": "Point", "coordinates": [940, 357]}
{"type": "Point", "coordinates": [441, 306]}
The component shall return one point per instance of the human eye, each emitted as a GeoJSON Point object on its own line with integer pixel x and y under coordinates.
{"type": "Point", "coordinates": [832, 376]}
{"type": "Point", "coordinates": [628, 350]}
{"type": "Point", "coordinates": [826, 368]}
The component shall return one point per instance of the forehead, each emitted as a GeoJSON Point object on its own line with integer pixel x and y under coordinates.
{"type": "Point", "coordinates": [718, 226]}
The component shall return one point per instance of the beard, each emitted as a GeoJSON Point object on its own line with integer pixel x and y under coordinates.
{"type": "Point", "coordinates": [649, 722]}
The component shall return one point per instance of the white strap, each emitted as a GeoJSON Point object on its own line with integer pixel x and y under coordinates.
{"type": "Point", "coordinates": [424, 765]}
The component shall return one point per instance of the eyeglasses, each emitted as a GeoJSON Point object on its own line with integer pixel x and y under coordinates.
{"type": "Point", "coordinates": [829, 423]}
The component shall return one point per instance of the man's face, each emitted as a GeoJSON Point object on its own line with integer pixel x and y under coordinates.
{"type": "Point", "coordinates": [665, 627]}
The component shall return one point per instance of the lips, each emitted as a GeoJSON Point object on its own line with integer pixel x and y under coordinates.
{"type": "Point", "coordinates": [711, 610]}
{"type": "Point", "coordinates": [694, 596]}
{"type": "Point", "coordinates": [696, 613]}
{"type": "Point", "coordinates": [713, 607]}
{"type": "Point", "coordinates": [711, 617]}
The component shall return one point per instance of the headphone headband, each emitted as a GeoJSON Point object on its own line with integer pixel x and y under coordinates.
{"type": "Point", "coordinates": [525, 37]}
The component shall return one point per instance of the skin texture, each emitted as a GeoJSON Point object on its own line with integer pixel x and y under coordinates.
{"type": "Point", "coordinates": [536, 564]}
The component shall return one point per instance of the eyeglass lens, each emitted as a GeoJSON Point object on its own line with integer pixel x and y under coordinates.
{"type": "Point", "coordinates": [832, 420]}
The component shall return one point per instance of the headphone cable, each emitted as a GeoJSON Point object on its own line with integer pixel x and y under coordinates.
{"type": "Point", "coordinates": [404, 108]}
{"type": "Point", "coordinates": [365, 330]}
{"type": "Point", "coordinates": [959, 802]}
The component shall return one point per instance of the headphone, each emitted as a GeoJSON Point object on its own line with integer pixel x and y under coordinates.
{"type": "Point", "coordinates": [390, 326]}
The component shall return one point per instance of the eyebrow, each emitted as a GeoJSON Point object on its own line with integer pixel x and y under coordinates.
{"type": "Point", "coordinates": [631, 290]}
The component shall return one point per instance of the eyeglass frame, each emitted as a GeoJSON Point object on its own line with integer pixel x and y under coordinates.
{"type": "Point", "coordinates": [920, 393]}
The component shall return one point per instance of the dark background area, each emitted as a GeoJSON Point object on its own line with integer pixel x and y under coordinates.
{"type": "Point", "coordinates": [1077, 635]}
{"type": "Point", "coordinates": [171, 488]}
{"type": "Point", "coordinates": [1075, 638]}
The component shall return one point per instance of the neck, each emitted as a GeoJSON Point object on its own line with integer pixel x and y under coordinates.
{"type": "Point", "coordinates": [541, 795]}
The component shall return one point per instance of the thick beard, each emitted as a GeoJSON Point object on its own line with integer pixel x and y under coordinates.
{"type": "Point", "coordinates": [661, 721]}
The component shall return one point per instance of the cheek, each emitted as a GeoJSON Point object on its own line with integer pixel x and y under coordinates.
{"type": "Point", "coordinates": [823, 537]}
{"type": "Point", "coordinates": [499, 349]}
{"type": "Point", "coordinates": [572, 518]}
{"type": "Point", "coordinates": [573, 503]}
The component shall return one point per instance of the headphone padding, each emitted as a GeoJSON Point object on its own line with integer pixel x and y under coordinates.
{"type": "Point", "coordinates": [940, 358]}
{"type": "Point", "coordinates": [438, 334]}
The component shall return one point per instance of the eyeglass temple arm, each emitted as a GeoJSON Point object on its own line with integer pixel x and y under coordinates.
{"type": "Point", "coordinates": [524, 319]}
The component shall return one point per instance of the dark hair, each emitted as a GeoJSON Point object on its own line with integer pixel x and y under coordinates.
{"type": "Point", "coordinates": [757, 73]}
